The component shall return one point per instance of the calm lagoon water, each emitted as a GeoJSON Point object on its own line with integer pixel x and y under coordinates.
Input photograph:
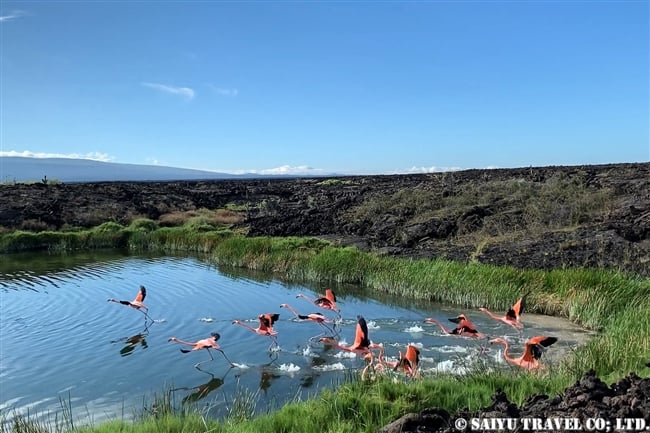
{"type": "Point", "coordinates": [61, 340]}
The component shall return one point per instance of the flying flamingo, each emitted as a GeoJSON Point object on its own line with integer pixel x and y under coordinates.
{"type": "Point", "coordinates": [465, 327]}
{"type": "Point", "coordinates": [361, 345]}
{"type": "Point", "coordinates": [533, 350]}
{"type": "Point", "coordinates": [266, 326]}
{"type": "Point", "coordinates": [137, 303]}
{"type": "Point", "coordinates": [314, 317]}
{"type": "Point", "coordinates": [206, 343]}
{"type": "Point", "coordinates": [512, 316]}
{"type": "Point", "coordinates": [326, 302]}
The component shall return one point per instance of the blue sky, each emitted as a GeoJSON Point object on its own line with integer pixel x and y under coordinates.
{"type": "Point", "coordinates": [347, 87]}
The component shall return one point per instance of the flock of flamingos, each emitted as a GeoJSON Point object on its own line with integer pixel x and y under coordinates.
{"type": "Point", "coordinates": [407, 362]}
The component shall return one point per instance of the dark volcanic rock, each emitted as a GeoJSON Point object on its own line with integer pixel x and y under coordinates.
{"type": "Point", "coordinates": [587, 398]}
{"type": "Point", "coordinates": [536, 217]}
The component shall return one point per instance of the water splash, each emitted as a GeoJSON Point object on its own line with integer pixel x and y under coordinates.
{"type": "Point", "coordinates": [330, 367]}
{"type": "Point", "coordinates": [372, 325]}
{"type": "Point", "coordinates": [289, 368]}
{"type": "Point", "coordinates": [344, 354]}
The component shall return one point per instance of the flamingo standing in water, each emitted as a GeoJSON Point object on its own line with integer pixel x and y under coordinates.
{"type": "Point", "coordinates": [465, 327]}
{"type": "Point", "coordinates": [409, 362]}
{"type": "Point", "coordinates": [326, 302]}
{"type": "Point", "coordinates": [512, 316]}
{"type": "Point", "coordinates": [533, 351]}
{"type": "Point", "coordinates": [137, 303]}
{"type": "Point", "coordinates": [206, 343]}
{"type": "Point", "coordinates": [318, 318]}
{"type": "Point", "coordinates": [361, 345]}
{"type": "Point", "coordinates": [266, 326]}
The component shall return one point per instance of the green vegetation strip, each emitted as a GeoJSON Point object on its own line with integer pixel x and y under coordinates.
{"type": "Point", "coordinates": [616, 304]}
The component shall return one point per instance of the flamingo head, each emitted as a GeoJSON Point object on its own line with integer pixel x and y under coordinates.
{"type": "Point", "coordinates": [326, 340]}
{"type": "Point", "coordinates": [482, 309]}
{"type": "Point", "coordinates": [429, 320]}
{"type": "Point", "coordinates": [172, 339]}
{"type": "Point", "coordinates": [215, 335]}
{"type": "Point", "coordinates": [284, 305]}
{"type": "Point", "coordinates": [498, 340]}
{"type": "Point", "coordinates": [236, 322]}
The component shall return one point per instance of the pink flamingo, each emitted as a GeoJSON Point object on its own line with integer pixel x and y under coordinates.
{"type": "Point", "coordinates": [318, 318]}
{"type": "Point", "coordinates": [533, 351]}
{"type": "Point", "coordinates": [206, 343]}
{"type": "Point", "coordinates": [465, 327]}
{"type": "Point", "coordinates": [512, 317]}
{"type": "Point", "coordinates": [361, 345]}
{"type": "Point", "coordinates": [410, 361]}
{"type": "Point", "coordinates": [137, 303]}
{"type": "Point", "coordinates": [326, 302]}
{"type": "Point", "coordinates": [266, 327]}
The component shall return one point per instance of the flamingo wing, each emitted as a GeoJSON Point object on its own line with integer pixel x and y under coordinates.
{"type": "Point", "coordinates": [413, 356]}
{"type": "Point", "coordinates": [267, 321]}
{"type": "Point", "coordinates": [323, 302]}
{"type": "Point", "coordinates": [535, 346]}
{"type": "Point", "coordinates": [330, 295]}
{"type": "Point", "coordinates": [141, 294]}
{"type": "Point", "coordinates": [514, 313]}
{"type": "Point", "coordinates": [361, 339]}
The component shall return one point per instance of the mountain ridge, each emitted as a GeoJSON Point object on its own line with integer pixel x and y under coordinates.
{"type": "Point", "coordinates": [26, 169]}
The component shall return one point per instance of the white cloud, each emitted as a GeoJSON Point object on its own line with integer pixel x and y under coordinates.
{"type": "Point", "coordinates": [184, 92]}
{"type": "Point", "coordinates": [288, 169]}
{"type": "Point", "coordinates": [224, 91]}
{"type": "Point", "coordinates": [432, 169]}
{"type": "Point", "coordinates": [95, 156]}
{"type": "Point", "coordinates": [11, 16]}
{"type": "Point", "coordinates": [282, 170]}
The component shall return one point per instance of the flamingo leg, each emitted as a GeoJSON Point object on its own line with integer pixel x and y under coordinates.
{"type": "Point", "coordinates": [227, 359]}
{"type": "Point", "coordinates": [484, 348]}
{"type": "Point", "coordinates": [274, 343]}
{"type": "Point", "coordinates": [146, 316]}
{"type": "Point", "coordinates": [207, 360]}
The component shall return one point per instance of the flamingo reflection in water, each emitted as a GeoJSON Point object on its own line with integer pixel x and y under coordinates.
{"type": "Point", "coordinates": [203, 390]}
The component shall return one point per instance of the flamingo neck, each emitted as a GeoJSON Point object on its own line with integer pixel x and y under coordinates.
{"type": "Point", "coordinates": [506, 355]}
{"type": "Point", "coordinates": [290, 308]}
{"type": "Point", "coordinates": [489, 313]}
{"type": "Point", "coordinates": [445, 330]}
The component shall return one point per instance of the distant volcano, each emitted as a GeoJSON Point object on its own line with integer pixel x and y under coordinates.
{"type": "Point", "coordinates": [21, 169]}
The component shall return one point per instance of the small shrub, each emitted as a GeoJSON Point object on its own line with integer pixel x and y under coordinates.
{"type": "Point", "coordinates": [109, 226]}
{"type": "Point", "coordinates": [144, 224]}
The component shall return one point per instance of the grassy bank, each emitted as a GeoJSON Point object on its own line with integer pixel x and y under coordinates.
{"type": "Point", "coordinates": [616, 304]}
